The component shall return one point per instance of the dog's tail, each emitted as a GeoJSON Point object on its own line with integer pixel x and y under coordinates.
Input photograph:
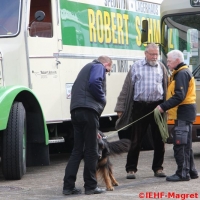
{"type": "Point", "coordinates": [119, 147]}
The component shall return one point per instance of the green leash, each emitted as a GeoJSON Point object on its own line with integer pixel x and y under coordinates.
{"type": "Point", "coordinates": [162, 124]}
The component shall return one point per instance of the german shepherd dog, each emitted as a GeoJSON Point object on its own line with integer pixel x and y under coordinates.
{"type": "Point", "coordinates": [104, 166]}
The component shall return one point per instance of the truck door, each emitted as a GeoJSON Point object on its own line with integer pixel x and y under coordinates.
{"type": "Point", "coordinates": [42, 43]}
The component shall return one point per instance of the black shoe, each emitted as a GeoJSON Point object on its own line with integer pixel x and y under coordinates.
{"type": "Point", "coordinates": [97, 190]}
{"type": "Point", "coordinates": [175, 178]}
{"type": "Point", "coordinates": [72, 191]}
{"type": "Point", "coordinates": [194, 176]}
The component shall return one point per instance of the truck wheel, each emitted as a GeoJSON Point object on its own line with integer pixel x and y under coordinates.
{"type": "Point", "coordinates": [14, 144]}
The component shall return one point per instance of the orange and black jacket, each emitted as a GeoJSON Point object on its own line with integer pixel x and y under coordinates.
{"type": "Point", "coordinates": [181, 95]}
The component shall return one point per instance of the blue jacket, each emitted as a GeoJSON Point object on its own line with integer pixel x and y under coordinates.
{"type": "Point", "coordinates": [89, 89]}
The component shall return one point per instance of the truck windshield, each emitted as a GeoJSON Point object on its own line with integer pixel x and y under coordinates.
{"type": "Point", "coordinates": [182, 32]}
{"type": "Point", "coordinates": [9, 17]}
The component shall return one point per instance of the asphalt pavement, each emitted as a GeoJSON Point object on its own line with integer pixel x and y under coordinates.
{"type": "Point", "coordinates": [45, 182]}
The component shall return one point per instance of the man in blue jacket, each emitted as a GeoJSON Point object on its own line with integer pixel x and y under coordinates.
{"type": "Point", "coordinates": [87, 103]}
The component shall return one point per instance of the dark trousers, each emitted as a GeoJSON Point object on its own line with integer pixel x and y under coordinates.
{"type": "Point", "coordinates": [183, 153]}
{"type": "Point", "coordinates": [139, 130]}
{"type": "Point", "coordinates": [86, 123]}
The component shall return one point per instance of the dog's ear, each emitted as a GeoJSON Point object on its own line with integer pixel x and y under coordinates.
{"type": "Point", "coordinates": [100, 148]}
{"type": "Point", "coordinates": [101, 143]}
{"type": "Point", "coordinates": [106, 148]}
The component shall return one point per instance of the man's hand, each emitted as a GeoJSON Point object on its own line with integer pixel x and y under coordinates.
{"type": "Point", "coordinates": [99, 136]}
{"type": "Point", "coordinates": [119, 114]}
{"type": "Point", "coordinates": [160, 109]}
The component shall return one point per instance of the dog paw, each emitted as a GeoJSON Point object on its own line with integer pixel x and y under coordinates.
{"type": "Point", "coordinates": [110, 189]}
{"type": "Point", "coordinates": [115, 184]}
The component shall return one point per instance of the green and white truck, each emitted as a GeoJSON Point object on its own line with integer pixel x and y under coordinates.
{"type": "Point", "coordinates": [43, 45]}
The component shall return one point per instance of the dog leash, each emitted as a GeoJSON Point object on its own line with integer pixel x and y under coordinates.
{"type": "Point", "coordinates": [158, 119]}
{"type": "Point", "coordinates": [161, 121]}
{"type": "Point", "coordinates": [127, 125]}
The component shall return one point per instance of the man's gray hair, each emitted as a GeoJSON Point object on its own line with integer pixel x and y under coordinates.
{"type": "Point", "coordinates": [151, 46]}
{"type": "Point", "coordinates": [176, 54]}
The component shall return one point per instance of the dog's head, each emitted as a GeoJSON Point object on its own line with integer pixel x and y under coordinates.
{"type": "Point", "coordinates": [103, 149]}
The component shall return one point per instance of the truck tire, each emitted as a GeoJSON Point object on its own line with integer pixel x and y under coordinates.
{"type": "Point", "coordinates": [14, 144]}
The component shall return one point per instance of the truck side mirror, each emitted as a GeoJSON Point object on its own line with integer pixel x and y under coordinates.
{"type": "Point", "coordinates": [39, 15]}
{"type": "Point", "coordinates": [145, 29]}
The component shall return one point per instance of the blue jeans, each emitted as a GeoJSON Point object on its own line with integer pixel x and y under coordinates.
{"type": "Point", "coordinates": [86, 124]}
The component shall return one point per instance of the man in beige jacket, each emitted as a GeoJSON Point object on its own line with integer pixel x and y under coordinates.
{"type": "Point", "coordinates": [144, 88]}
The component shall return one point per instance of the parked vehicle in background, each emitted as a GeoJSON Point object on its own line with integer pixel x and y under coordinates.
{"type": "Point", "coordinates": [180, 26]}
